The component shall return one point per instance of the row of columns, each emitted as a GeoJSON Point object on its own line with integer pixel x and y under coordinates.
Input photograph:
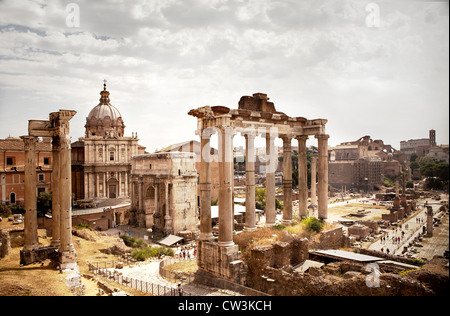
{"type": "Point", "coordinates": [92, 182]}
{"type": "Point", "coordinates": [226, 177]}
{"type": "Point", "coordinates": [61, 195]}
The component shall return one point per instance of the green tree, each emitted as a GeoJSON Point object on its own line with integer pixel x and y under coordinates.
{"type": "Point", "coordinates": [44, 203]}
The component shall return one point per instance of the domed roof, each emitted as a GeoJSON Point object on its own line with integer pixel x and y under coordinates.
{"type": "Point", "coordinates": [104, 120]}
{"type": "Point", "coordinates": [104, 108]}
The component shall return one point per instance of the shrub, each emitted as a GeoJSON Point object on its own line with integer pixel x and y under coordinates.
{"type": "Point", "coordinates": [80, 226]}
{"type": "Point", "coordinates": [313, 224]}
{"type": "Point", "coordinates": [143, 253]}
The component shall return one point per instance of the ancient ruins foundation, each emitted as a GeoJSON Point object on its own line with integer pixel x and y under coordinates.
{"type": "Point", "coordinates": [255, 116]}
{"type": "Point", "coordinates": [61, 247]}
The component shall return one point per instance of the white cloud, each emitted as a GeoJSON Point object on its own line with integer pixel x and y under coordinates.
{"type": "Point", "coordinates": [161, 58]}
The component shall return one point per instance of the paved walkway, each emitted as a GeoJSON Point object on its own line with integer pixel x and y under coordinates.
{"type": "Point", "coordinates": [410, 228]}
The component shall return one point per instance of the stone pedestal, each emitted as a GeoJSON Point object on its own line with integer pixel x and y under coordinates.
{"type": "Point", "coordinates": [221, 262]}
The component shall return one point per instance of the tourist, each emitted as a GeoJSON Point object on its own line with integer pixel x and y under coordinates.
{"type": "Point", "coordinates": [387, 250]}
{"type": "Point", "coordinates": [180, 289]}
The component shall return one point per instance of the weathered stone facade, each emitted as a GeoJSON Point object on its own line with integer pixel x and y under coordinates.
{"type": "Point", "coordinates": [255, 116]}
{"type": "Point", "coordinates": [107, 153]}
{"type": "Point", "coordinates": [164, 192]}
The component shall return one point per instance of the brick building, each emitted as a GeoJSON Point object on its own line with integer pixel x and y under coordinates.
{"type": "Point", "coordinates": [362, 164]}
{"type": "Point", "coordinates": [12, 163]}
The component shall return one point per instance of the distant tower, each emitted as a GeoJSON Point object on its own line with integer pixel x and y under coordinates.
{"type": "Point", "coordinates": [432, 137]}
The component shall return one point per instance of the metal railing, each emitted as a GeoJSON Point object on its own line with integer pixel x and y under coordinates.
{"type": "Point", "coordinates": [105, 269]}
{"type": "Point", "coordinates": [173, 275]}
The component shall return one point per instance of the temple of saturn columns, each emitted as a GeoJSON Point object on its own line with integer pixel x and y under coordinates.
{"type": "Point", "coordinates": [61, 248]}
{"type": "Point", "coordinates": [255, 116]}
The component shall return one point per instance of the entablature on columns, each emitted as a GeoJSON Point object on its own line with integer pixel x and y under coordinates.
{"type": "Point", "coordinates": [242, 120]}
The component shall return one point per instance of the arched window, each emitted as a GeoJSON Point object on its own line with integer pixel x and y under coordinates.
{"type": "Point", "coordinates": [12, 198]}
{"type": "Point", "coordinates": [150, 192]}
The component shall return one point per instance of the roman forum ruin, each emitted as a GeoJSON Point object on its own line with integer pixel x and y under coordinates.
{"type": "Point", "coordinates": [61, 247]}
{"type": "Point", "coordinates": [255, 116]}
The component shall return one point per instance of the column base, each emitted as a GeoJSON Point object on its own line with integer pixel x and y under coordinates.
{"type": "Point", "coordinates": [31, 247]}
{"type": "Point", "coordinates": [250, 229]}
{"type": "Point", "coordinates": [287, 221]}
{"type": "Point", "coordinates": [67, 259]}
{"type": "Point", "coordinates": [206, 236]}
{"type": "Point", "coordinates": [225, 243]}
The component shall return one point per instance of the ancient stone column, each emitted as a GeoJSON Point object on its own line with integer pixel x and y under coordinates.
{"type": "Point", "coordinates": [302, 176]}
{"type": "Point", "coordinates": [323, 176]}
{"type": "Point", "coordinates": [271, 166]}
{"type": "Point", "coordinates": [5, 243]}
{"type": "Point", "coordinates": [30, 220]}
{"type": "Point", "coordinates": [205, 187]}
{"type": "Point", "coordinates": [287, 180]}
{"type": "Point", "coordinates": [56, 189]}
{"type": "Point", "coordinates": [250, 220]}
{"type": "Point", "coordinates": [65, 195]}
{"type": "Point", "coordinates": [429, 212]}
{"type": "Point", "coordinates": [167, 216]}
{"type": "Point", "coordinates": [226, 216]}
{"type": "Point", "coordinates": [313, 181]}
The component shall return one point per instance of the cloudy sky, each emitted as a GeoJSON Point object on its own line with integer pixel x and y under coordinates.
{"type": "Point", "coordinates": [378, 68]}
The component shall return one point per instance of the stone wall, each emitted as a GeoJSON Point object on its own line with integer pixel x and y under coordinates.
{"type": "Point", "coordinates": [220, 262]}
{"type": "Point", "coordinates": [333, 238]}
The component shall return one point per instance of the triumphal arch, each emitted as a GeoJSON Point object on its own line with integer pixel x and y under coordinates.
{"type": "Point", "coordinates": [255, 116]}
{"type": "Point", "coordinates": [61, 248]}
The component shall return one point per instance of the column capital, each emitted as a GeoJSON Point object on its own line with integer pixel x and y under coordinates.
{"type": "Point", "coordinates": [29, 142]}
{"type": "Point", "coordinates": [286, 138]}
{"type": "Point", "coordinates": [247, 134]}
{"type": "Point", "coordinates": [303, 138]}
{"type": "Point", "coordinates": [207, 132]}
{"type": "Point", "coordinates": [322, 136]}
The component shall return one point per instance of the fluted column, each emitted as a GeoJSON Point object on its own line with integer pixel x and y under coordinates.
{"type": "Point", "coordinates": [250, 220]}
{"type": "Point", "coordinates": [226, 216]}
{"type": "Point", "coordinates": [323, 176]}
{"type": "Point", "coordinates": [205, 187]}
{"type": "Point", "coordinates": [271, 166]}
{"type": "Point", "coordinates": [56, 185]}
{"type": "Point", "coordinates": [30, 218]}
{"type": "Point", "coordinates": [302, 176]}
{"type": "Point", "coordinates": [287, 180]}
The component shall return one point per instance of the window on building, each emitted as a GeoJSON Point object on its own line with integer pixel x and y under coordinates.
{"type": "Point", "coordinates": [41, 177]}
{"type": "Point", "coordinates": [46, 161]}
{"type": "Point", "coordinates": [9, 161]}
{"type": "Point", "coordinates": [111, 155]}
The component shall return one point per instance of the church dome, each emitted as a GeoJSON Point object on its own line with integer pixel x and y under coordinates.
{"type": "Point", "coordinates": [104, 119]}
{"type": "Point", "coordinates": [103, 110]}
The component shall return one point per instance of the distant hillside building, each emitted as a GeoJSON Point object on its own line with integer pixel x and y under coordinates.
{"type": "Point", "coordinates": [362, 164]}
{"type": "Point", "coordinates": [425, 147]}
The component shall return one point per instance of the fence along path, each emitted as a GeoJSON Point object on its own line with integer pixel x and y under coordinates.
{"type": "Point", "coordinates": [107, 270]}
